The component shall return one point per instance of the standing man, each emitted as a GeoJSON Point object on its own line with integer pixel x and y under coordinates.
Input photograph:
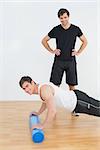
{"type": "Point", "coordinates": [65, 35]}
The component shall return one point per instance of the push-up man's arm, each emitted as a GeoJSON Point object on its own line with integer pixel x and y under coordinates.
{"type": "Point", "coordinates": [41, 110]}
{"type": "Point", "coordinates": [47, 94]}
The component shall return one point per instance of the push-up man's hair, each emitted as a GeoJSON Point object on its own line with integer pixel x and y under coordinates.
{"type": "Point", "coordinates": [24, 79]}
{"type": "Point", "coordinates": [62, 11]}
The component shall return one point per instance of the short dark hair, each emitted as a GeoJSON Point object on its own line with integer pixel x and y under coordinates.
{"type": "Point", "coordinates": [24, 79]}
{"type": "Point", "coordinates": [62, 11]}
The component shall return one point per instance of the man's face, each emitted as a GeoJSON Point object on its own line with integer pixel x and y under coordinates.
{"type": "Point", "coordinates": [64, 19]}
{"type": "Point", "coordinates": [28, 87]}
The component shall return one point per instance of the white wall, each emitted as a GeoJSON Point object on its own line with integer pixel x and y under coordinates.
{"type": "Point", "coordinates": [23, 24]}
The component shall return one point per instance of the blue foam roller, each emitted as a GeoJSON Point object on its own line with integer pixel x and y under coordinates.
{"type": "Point", "coordinates": [37, 134]}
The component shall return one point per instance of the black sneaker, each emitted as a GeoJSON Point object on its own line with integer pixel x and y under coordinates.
{"type": "Point", "coordinates": [75, 114]}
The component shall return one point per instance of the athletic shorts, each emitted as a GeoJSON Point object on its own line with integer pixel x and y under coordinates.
{"type": "Point", "coordinates": [58, 69]}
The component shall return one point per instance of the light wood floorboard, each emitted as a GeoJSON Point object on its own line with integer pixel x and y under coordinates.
{"type": "Point", "coordinates": [66, 133]}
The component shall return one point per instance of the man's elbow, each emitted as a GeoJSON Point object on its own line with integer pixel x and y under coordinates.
{"type": "Point", "coordinates": [43, 41]}
{"type": "Point", "coordinates": [86, 42]}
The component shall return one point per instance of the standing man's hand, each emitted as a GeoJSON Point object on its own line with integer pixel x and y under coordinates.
{"type": "Point", "coordinates": [57, 52]}
{"type": "Point", "coordinates": [75, 53]}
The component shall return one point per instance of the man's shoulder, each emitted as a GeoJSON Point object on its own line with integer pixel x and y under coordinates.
{"type": "Point", "coordinates": [45, 85]}
{"type": "Point", "coordinates": [57, 27]}
{"type": "Point", "coordinates": [74, 26]}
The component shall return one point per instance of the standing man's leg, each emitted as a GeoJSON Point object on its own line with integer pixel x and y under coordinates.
{"type": "Point", "coordinates": [71, 74]}
{"type": "Point", "coordinates": [86, 104]}
{"type": "Point", "coordinates": [71, 77]}
{"type": "Point", "coordinates": [57, 73]}
{"type": "Point", "coordinates": [71, 87]}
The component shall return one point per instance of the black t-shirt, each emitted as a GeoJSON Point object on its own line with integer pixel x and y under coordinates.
{"type": "Point", "coordinates": [65, 40]}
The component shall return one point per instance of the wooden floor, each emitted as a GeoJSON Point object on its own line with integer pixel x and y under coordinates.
{"type": "Point", "coordinates": [66, 133]}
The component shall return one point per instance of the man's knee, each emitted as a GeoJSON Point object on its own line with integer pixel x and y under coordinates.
{"type": "Point", "coordinates": [71, 87]}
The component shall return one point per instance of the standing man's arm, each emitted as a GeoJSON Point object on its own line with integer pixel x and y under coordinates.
{"type": "Point", "coordinates": [82, 47]}
{"type": "Point", "coordinates": [46, 45]}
